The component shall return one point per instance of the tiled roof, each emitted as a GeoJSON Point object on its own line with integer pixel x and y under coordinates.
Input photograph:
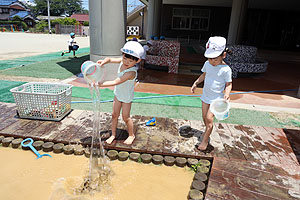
{"type": "Point", "coordinates": [21, 14]}
{"type": "Point", "coordinates": [7, 2]}
{"type": "Point", "coordinates": [81, 17]}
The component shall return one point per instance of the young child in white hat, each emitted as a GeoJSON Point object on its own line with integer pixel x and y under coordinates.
{"type": "Point", "coordinates": [124, 86]}
{"type": "Point", "coordinates": [217, 82]}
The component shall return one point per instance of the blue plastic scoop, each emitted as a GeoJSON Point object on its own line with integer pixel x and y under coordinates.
{"type": "Point", "coordinates": [32, 148]}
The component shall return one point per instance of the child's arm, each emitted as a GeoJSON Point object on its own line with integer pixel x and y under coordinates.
{"type": "Point", "coordinates": [227, 90]}
{"type": "Point", "coordinates": [109, 60]}
{"type": "Point", "coordinates": [199, 80]}
{"type": "Point", "coordinates": [119, 80]}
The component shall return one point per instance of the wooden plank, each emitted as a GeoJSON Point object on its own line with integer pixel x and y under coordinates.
{"type": "Point", "coordinates": [279, 151]}
{"type": "Point", "coordinates": [262, 149]}
{"type": "Point", "coordinates": [63, 125]}
{"type": "Point", "coordinates": [11, 129]}
{"type": "Point", "coordinates": [42, 129]}
{"type": "Point", "coordinates": [228, 141]}
{"type": "Point", "coordinates": [209, 196]}
{"type": "Point", "coordinates": [26, 130]}
{"type": "Point", "coordinates": [228, 192]}
{"type": "Point", "coordinates": [260, 172]}
{"type": "Point", "coordinates": [243, 143]}
{"type": "Point", "coordinates": [65, 135]}
{"type": "Point", "coordinates": [249, 184]}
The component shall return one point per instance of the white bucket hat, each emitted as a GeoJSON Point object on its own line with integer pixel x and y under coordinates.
{"type": "Point", "coordinates": [133, 48]}
{"type": "Point", "coordinates": [150, 42]}
{"type": "Point", "coordinates": [215, 47]}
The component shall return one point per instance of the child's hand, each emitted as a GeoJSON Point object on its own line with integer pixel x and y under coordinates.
{"type": "Point", "coordinates": [193, 88]}
{"type": "Point", "coordinates": [100, 62]}
{"type": "Point", "coordinates": [226, 97]}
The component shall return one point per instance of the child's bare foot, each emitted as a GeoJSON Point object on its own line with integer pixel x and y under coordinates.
{"type": "Point", "coordinates": [202, 146]}
{"type": "Point", "coordinates": [129, 140]}
{"type": "Point", "coordinates": [110, 139]}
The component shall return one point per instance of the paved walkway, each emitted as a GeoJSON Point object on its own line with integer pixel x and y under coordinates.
{"type": "Point", "coordinates": [249, 162]}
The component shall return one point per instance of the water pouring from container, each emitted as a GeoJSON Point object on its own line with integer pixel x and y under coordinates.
{"type": "Point", "coordinates": [92, 72]}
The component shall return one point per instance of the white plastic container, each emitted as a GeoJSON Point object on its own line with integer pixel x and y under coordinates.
{"type": "Point", "coordinates": [92, 72]}
{"type": "Point", "coordinates": [45, 101]}
{"type": "Point", "coordinates": [220, 108]}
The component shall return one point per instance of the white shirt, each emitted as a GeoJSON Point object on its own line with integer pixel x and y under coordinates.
{"type": "Point", "coordinates": [215, 80]}
{"type": "Point", "coordinates": [146, 48]}
{"type": "Point", "coordinates": [71, 41]}
{"type": "Point", "coordinates": [124, 92]}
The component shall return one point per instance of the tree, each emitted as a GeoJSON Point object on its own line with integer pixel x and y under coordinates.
{"type": "Point", "coordinates": [57, 7]}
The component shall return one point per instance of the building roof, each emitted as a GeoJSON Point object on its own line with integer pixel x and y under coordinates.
{"type": "Point", "coordinates": [81, 17]}
{"type": "Point", "coordinates": [21, 14]}
{"type": "Point", "coordinates": [7, 2]}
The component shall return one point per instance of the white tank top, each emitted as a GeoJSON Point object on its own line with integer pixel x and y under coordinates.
{"type": "Point", "coordinates": [124, 92]}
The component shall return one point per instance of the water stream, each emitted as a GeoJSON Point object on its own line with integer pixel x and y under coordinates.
{"type": "Point", "coordinates": [99, 174]}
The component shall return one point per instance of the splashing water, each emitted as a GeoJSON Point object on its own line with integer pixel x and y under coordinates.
{"type": "Point", "coordinates": [99, 175]}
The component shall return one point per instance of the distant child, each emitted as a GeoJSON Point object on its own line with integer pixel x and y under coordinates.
{"type": "Point", "coordinates": [124, 86]}
{"type": "Point", "coordinates": [146, 49]}
{"type": "Point", "coordinates": [217, 82]}
{"type": "Point", "coordinates": [72, 45]}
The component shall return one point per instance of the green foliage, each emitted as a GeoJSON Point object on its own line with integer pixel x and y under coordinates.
{"type": "Point", "coordinates": [57, 7]}
{"type": "Point", "coordinates": [39, 27]}
{"type": "Point", "coordinates": [17, 18]}
{"type": "Point", "coordinates": [85, 23]}
{"type": "Point", "coordinates": [63, 21]}
{"type": "Point", "coordinates": [195, 167]}
{"type": "Point", "coordinates": [24, 25]}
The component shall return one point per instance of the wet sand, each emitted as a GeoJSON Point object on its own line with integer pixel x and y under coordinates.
{"type": "Point", "coordinates": [24, 177]}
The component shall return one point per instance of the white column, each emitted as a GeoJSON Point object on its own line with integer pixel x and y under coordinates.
{"type": "Point", "coordinates": [154, 18]}
{"type": "Point", "coordinates": [107, 27]}
{"type": "Point", "coordinates": [237, 18]}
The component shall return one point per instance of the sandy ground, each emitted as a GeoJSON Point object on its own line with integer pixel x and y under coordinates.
{"type": "Point", "coordinates": [16, 45]}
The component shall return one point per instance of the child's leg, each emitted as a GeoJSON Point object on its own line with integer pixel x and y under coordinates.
{"type": "Point", "coordinates": [74, 53]}
{"type": "Point", "coordinates": [208, 118]}
{"type": "Point", "coordinates": [126, 117]}
{"type": "Point", "coordinates": [114, 122]}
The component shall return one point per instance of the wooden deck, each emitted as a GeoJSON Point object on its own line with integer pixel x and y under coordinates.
{"type": "Point", "coordinates": [249, 162]}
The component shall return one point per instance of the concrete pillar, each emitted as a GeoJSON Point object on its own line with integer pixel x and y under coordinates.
{"type": "Point", "coordinates": [107, 31]}
{"type": "Point", "coordinates": [298, 94]}
{"type": "Point", "coordinates": [107, 27]}
{"type": "Point", "coordinates": [154, 18]}
{"type": "Point", "coordinates": [237, 20]}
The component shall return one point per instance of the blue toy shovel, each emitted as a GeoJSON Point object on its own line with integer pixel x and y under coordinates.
{"type": "Point", "coordinates": [32, 148]}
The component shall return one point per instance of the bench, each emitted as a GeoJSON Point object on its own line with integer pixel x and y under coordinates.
{"type": "Point", "coordinates": [243, 60]}
{"type": "Point", "coordinates": [164, 53]}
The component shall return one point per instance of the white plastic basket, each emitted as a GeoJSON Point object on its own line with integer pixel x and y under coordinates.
{"type": "Point", "coordinates": [46, 101]}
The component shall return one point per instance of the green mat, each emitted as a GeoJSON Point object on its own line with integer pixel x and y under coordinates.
{"type": "Point", "coordinates": [59, 68]}
{"type": "Point", "coordinates": [5, 94]}
{"type": "Point", "coordinates": [6, 64]}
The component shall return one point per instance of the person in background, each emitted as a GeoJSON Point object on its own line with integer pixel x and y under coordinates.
{"type": "Point", "coordinates": [72, 45]}
{"type": "Point", "coordinates": [217, 82]}
{"type": "Point", "coordinates": [146, 47]}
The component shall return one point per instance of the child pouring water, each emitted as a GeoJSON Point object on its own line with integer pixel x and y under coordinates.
{"type": "Point", "coordinates": [217, 82]}
{"type": "Point", "coordinates": [124, 86]}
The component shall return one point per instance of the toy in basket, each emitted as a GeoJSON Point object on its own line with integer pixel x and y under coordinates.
{"type": "Point", "coordinates": [46, 101]}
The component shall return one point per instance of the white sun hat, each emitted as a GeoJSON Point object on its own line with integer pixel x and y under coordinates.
{"type": "Point", "coordinates": [133, 48]}
{"type": "Point", "coordinates": [150, 42]}
{"type": "Point", "coordinates": [215, 47]}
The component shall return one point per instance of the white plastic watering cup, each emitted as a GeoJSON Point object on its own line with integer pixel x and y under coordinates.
{"type": "Point", "coordinates": [220, 108]}
{"type": "Point", "coordinates": [92, 72]}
